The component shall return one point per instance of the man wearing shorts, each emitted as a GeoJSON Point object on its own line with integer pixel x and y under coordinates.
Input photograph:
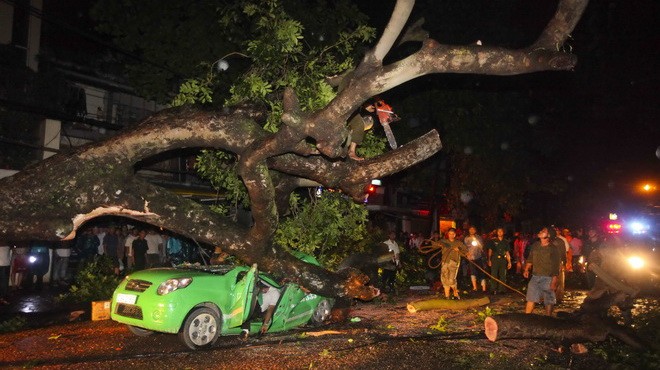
{"type": "Point", "coordinates": [544, 260]}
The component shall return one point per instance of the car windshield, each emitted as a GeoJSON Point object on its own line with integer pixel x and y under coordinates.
{"type": "Point", "coordinates": [214, 269]}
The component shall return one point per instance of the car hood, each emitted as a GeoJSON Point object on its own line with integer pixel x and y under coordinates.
{"type": "Point", "coordinates": [161, 274]}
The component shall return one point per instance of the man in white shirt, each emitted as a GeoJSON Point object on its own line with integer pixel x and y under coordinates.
{"type": "Point", "coordinates": [155, 251]}
{"type": "Point", "coordinates": [269, 298]}
{"type": "Point", "coordinates": [100, 234]}
{"type": "Point", "coordinates": [128, 245]}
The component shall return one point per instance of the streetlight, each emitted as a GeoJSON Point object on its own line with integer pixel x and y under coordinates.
{"type": "Point", "coordinates": [648, 187]}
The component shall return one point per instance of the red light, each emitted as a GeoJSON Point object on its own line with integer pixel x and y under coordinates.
{"type": "Point", "coordinates": [423, 212]}
{"type": "Point", "coordinates": [614, 228]}
{"type": "Point", "coordinates": [371, 189]}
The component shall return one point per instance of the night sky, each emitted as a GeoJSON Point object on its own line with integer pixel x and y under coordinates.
{"type": "Point", "coordinates": [606, 112]}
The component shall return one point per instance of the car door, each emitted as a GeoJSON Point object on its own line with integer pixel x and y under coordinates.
{"type": "Point", "coordinates": [242, 297]}
{"type": "Point", "coordinates": [291, 297]}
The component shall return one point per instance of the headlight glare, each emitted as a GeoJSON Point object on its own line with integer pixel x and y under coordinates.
{"type": "Point", "coordinates": [170, 285]}
{"type": "Point", "coordinates": [636, 262]}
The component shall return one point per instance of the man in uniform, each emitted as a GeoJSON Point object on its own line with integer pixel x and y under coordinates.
{"type": "Point", "coordinates": [499, 261]}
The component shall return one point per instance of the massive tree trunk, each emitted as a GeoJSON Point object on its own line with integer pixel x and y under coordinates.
{"type": "Point", "coordinates": [54, 198]}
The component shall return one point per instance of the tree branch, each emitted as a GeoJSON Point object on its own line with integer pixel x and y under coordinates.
{"type": "Point", "coordinates": [398, 19]}
{"type": "Point", "coordinates": [351, 177]}
{"type": "Point", "coordinates": [562, 24]}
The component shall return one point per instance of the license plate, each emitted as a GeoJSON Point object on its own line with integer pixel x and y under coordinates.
{"type": "Point", "coordinates": [126, 298]}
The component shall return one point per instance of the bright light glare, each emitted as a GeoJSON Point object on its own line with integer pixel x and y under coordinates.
{"type": "Point", "coordinates": [475, 243]}
{"type": "Point", "coordinates": [32, 259]}
{"type": "Point", "coordinates": [636, 262]}
{"type": "Point", "coordinates": [638, 228]}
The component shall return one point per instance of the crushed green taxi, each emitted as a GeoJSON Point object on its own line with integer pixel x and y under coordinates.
{"type": "Point", "coordinates": [202, 302]}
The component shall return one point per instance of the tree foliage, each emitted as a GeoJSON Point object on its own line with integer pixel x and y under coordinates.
{"type": "Point", "coordinates": [327, 226]}
{"type": "Point", "coordinates": [263, 45]}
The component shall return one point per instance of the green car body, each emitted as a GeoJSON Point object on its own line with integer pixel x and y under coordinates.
{"type": "Point", "coordinates": [223, 295]}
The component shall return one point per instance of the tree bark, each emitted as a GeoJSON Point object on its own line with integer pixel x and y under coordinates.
{"type": "Point", "coordinates": [574, 329]}
{"type": "Point", "coordinates": [530, 326]}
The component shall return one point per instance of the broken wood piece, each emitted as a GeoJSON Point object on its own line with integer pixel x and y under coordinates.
{"type": "Point", "coordinates": [531, 326]}
{"type": "Point", "coordinates": [443, 303]}
{"type": "Point", "coordinates": [323, 332]}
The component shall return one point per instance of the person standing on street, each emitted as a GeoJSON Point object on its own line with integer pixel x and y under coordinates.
{"type": "Point", "coordinates": [592, 244]}
{"type": "Point", "coordinates": [452, 250]}
{"type": "Point", "coordinates": [499, 261]}
{"type": "Point", "coordinates": [111, 248]}
{"type": "Point", "coordinates": [475, 247]}
{"type": "Point", "coordinates": [139, 249]}
{"type": "Point", "coordinates": [61, 264]}
{"type": "Point", "coordinates": [128, 245]}
{"type": "Point", "coordinates": [543, 261]}
{"type": "Point", "coordinates": [155, 252]}
{"type": "Point", "coordinates": [39, 263]}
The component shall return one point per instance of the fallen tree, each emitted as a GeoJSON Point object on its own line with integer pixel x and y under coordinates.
{"type": "Point", "coordinates": [571, 329]}
{"type": "Point", "coordinates": [54, 198]}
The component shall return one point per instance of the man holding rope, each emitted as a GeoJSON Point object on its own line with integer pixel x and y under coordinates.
{"type": "Point", "coordinates": [544, 259]}
{"type": "Point", "coordinates": [452, 250]}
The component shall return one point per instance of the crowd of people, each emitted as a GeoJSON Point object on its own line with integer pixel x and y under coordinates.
{"type": "Point", "coordinates": [463, 260]}
{"type": "Point", "coordinates": [23, 265]}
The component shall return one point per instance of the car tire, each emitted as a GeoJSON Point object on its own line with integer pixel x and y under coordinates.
{"type": "Point", "coordinates": [321, 313]}
{"type": "Point", "coordinates": [139, 331]}
{"type": "Point", "coordinates": [201, 328]}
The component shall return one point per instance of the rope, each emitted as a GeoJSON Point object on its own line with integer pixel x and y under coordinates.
{"type": "Point", "coordinates": [426, 249]}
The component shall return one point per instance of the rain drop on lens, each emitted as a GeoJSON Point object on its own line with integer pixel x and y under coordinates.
{"type": "Point", "coordinates": [223, 65]}
{"type": "Point", "coordinates": [533, 119]}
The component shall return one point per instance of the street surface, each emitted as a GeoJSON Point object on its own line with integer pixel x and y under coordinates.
{"type": "Point", "coordinates": [382, 334]}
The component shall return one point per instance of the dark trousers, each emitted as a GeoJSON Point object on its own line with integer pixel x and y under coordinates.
{"type": "Point", "coordinates": [256, 314]}
{"type": "Point", "coordinates": [388, 278]}
{"type": "Point", "coordinates": [498, 270]}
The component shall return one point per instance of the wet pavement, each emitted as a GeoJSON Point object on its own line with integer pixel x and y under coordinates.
{"type": "Point", "coordinates": [42, 307]}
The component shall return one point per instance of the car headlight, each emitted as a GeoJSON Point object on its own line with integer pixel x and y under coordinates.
{"type": "Point", "coordinates": [636, 262]}
{"type": "Point", "coordinates": [170, 285]}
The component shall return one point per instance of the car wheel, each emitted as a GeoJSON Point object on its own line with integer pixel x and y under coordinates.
{"type": "Point", "coordinates": [139, 331]}
{"type": "Point", "coordinates": [321, 313]}
{"type": "Point", "coordinates": [200, 330]}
